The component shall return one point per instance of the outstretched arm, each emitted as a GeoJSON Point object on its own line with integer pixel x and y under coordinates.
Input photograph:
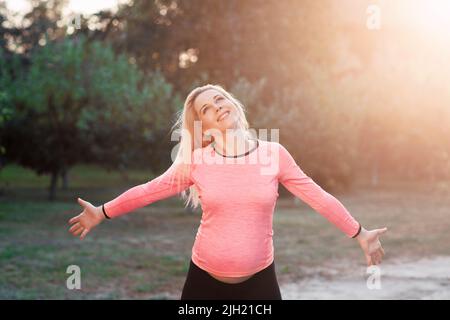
{"type": "Point", "coordinates": [303, 187]}
{"type": "Point", "coordinates": [170, 183]}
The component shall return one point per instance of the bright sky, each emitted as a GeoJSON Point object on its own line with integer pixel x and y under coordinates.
{"type": "Point", "coordinates": [78, 6]}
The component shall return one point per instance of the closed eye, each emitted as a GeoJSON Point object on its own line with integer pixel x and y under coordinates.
{"type": "Point", "coordinates": [204, 109]}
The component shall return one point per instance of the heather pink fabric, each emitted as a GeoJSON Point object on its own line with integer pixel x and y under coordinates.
{"type": "Point", "coordinates": [238, 197]}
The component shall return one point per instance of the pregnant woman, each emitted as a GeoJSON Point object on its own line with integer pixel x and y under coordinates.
{"type": "Point", "coordinates": [234, 177]}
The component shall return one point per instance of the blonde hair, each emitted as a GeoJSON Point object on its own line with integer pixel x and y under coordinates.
{"type": "Point", "coordinates": [189, 142]}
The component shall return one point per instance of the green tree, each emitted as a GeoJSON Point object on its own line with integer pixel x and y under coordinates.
{"type": "Point", "coordinates": [79, 102]}
{"type": "Point", "coordinates": [5, 98]}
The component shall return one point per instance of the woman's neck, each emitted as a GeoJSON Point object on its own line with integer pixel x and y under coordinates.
{"type": "Point", "coordinates": [233, 144]}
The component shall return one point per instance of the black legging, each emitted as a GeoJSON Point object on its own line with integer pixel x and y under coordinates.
{"type": "Point", "coordinates": [199, 285]}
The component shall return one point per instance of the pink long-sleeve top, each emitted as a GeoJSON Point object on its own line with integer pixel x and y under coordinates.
{"type": "Point", "coordinates": [238, 197]}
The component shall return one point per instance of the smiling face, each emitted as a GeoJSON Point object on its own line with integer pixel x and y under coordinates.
{"type": "Point", "coordinates": [215, 111]}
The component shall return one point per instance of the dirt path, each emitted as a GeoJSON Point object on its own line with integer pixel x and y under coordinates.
{"type": "Point", "coordinates": [422, 279]}
{"type": "Point", "coordinates": [405, 279]}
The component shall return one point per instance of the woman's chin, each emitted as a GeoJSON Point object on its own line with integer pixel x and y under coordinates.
{"type": "Point", "coordinates": [227, 123]}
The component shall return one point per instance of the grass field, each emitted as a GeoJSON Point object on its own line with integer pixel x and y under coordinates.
{"type": "Point", "coordinates": [145, 254]}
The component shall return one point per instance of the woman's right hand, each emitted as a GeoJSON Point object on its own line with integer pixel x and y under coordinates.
{"type": "Point", "coordinates": [86, 220]}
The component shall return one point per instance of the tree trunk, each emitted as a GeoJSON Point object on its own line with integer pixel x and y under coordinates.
{"type": "Point", "coordinates": [53, 184]}
{"type": "Point", "coordinates": [65, 179]}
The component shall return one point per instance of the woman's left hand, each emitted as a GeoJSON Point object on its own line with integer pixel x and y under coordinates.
{"type": "Point", "coordinates": [370, 244]}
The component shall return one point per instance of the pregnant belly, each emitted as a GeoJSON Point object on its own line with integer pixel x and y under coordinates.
{"type": "Point", "coordinates": [230, 280]}
{"type": "Point", "coordinates": [233, 259]}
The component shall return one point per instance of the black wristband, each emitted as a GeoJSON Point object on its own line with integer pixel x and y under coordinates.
{"type": "Point", "coordinates": [103, 209]}
{"type": "Point", "coordinates": [359, 231]}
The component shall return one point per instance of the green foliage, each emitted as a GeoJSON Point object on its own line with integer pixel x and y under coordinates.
{"type": "Point", "coordinates": [5, 98]}
{"type": "Point", "coordinates": [5, 84]}
{"type": "Point", "coordinates": [80, 102]}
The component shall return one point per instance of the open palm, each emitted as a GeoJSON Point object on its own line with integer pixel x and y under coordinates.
{"type": "Point", "coordinates": [369, 241]}
{"type": "Point", "coordinates": [86, 220]}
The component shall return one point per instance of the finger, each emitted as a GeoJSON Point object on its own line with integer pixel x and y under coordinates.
{"type": "Point", "coordinates": [376, 258]}
{"type": "Point", "coordinates": [381, 254]}
{"type": "Point", "coordinates": [376, 255]}
{"type": "Point", "coordinates": [75, 219]}
{"type": "Point", "coordinates": [83, 203]}
{"type": "Point", "coordinates": [381, 231]}
{"type": "Point", "coordinates": [75, 226]}
{"type": "Point", "coordinates": [382, 250]}
{"type": "Point", "coordinates": [373, 256]}
{"type": "Point", "coordinates": [380, 258]}
{"type": "Point", "coordinates": [84, 233]}
{"type": "Point", "coordinates": [78, 231]}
